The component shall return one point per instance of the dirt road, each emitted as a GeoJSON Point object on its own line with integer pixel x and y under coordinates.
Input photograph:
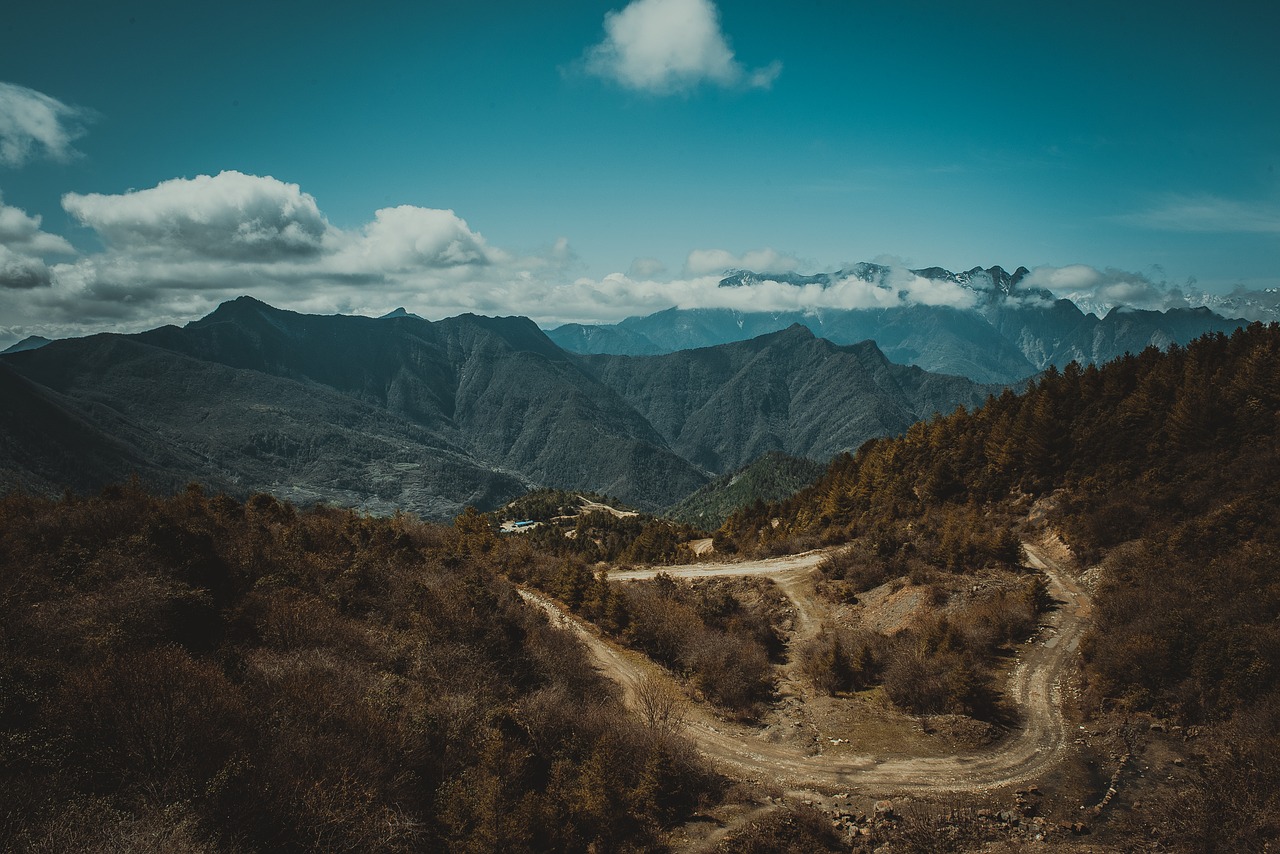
{"type": "Point", "coordinates": [1035, 689]}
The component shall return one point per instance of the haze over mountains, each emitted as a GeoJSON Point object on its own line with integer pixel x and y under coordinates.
{"type": "Point", "coordinates": [988, 325]}
{"type": "Point", "coordinates": [399, 412]}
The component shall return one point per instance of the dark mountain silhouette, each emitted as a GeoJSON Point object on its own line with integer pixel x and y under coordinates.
{"type": "Point", "coordinates": [171, 418]}
{"type": "Point", "coordinates": [495, 388]}
{"type": "Point", "coordinates": [400, 412]}
{"type": "Point", "coordinates": [722, 407]}
{"type": "Point", "coordinates": [31, 342]}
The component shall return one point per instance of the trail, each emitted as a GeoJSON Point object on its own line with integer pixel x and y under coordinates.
{"type": "Point", "coordinates": [1035, 688]}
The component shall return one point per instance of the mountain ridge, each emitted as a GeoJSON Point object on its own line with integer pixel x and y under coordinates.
{"type": "Point", "coordinates": [401, 412]}
{"type": "Point", "coordinates": [786, 391]}
{"type": "Point", "coordinates": [1011, 332]}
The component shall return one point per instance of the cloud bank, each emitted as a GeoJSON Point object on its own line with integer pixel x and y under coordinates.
{"type": "Point", "coordinates": [33, 124]}
{"type": "Point", "coordinates": [1101, 290]}
{"type": "Point", "coordinates": [666, 46]}
{"type": "Point", "coordinates": [175, 251]}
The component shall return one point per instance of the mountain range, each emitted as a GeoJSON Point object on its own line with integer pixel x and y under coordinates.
{"type": "Point", "coordinates": [1010, 332]}
{"type": "Point", "coordinates": [404, 413]}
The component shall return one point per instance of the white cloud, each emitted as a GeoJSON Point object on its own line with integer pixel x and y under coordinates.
{"type": "Point", "coordinates": [34, 124]}
{"type": "Point", "coordinates": [706, 262]}
{"type": "Point", "coordinates": [227, 216]}
{"type": "Point", "coordinates": [409, 238]}
{"type": "Point", "coordinates": [21, 232]}
{"type": "Point", "coordinates": [174, 251]}
{"type": "Point", "coordinates": [23, 249]}
{"type": "Point", "coordinates": [917, 290]}
{"type": "Point", "coordinates": [1208, 214]}
{"type": "Point", "coordinates": [664, 46]}
{"type": "Point", "coordinates": [1099, 290]}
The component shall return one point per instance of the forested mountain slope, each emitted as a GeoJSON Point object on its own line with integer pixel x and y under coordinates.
{"type": "Point", "coordinates": [771, 477]}
{"type": "Point", "coordinates": [1163, 465]}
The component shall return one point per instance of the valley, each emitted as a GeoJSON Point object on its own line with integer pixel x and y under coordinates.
{"type": "Point", "coordinates": [605, 428]}
{"type": "Point", "coordinates": [981, 630]}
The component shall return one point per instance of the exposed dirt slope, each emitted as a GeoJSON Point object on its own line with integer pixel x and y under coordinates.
{"type": "Point", "coordinates": [1035, 689]}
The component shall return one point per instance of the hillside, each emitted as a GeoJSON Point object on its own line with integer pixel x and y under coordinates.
{"type": "Point", "coordinates": [496, 387]}
{"type": "Point", "coordinates": [1158, 468]}
{"type": "Point", "coordinates": [383, 414]}
{"type": "Point", "coordinates": [402, 413]}
{"type": "Point", "coordinates": [772, 477]}
{"type": "Point", "coordinates": [181, 419]}
{"type": "Point", "coordinates": [192, 674]}
{"type": "Point", "coordinates": [722, 407]}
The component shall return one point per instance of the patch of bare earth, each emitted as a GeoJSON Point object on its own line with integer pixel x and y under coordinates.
{"type": "Point", "coordinates": [811, 747]}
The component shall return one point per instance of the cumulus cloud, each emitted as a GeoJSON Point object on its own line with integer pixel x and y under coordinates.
{"type": "Point", "coordinates": [21, 232]}
{"type": "Point", "coordinates": [174, 251]}
{"type": "Point", "coordinates": [33, 124]}
{"type": "Point", "coordinates": [705, 262]}
{"type": "Point", "coordinates": [664, 46]}
{"type": "Point", "coordinates": [618, 295]}
{"type": "Point", "coordinates": [22, 272]}
{"type": "Point", "coordinates": [409, 238]}
{"type": "Point", "coordinates": [229, 216]}
{"type": "Point", "coordinates": [24, 246]}
{"type": "Point", "coordinates": [1208, 214]}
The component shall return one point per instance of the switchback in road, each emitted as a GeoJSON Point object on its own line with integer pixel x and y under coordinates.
{"type": "Point", "coordinates": [1035, 688]}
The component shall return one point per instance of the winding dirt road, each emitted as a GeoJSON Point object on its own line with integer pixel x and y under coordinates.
{"type": "Point", "coordinates": [1035, 688]}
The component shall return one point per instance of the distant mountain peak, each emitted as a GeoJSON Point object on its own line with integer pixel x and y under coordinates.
{"type": "Point", "coordinates": [746, 278]}
{"type": "Point", "coordinates": [237, 307]}
{"type": "Point", "coordinates": [31, 342]}
{"type": "Point", "coordinates": [795, 330]}
{"type": "Point", "coordinates": [984, 279]}
{"type": "Point", "coordinates": [400, 312]}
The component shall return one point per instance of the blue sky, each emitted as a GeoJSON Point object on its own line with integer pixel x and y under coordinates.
{"type": "Point", "coordinates": [600, 159]}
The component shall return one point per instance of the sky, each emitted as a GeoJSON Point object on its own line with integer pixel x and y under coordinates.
{"type": "Point", "coordinates": [586, 161]}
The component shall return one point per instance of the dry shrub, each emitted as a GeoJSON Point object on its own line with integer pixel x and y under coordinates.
{"type": "Point", "coordinates": [798, 829]}
{"type": "Point", "coordinates": [842, 660]}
